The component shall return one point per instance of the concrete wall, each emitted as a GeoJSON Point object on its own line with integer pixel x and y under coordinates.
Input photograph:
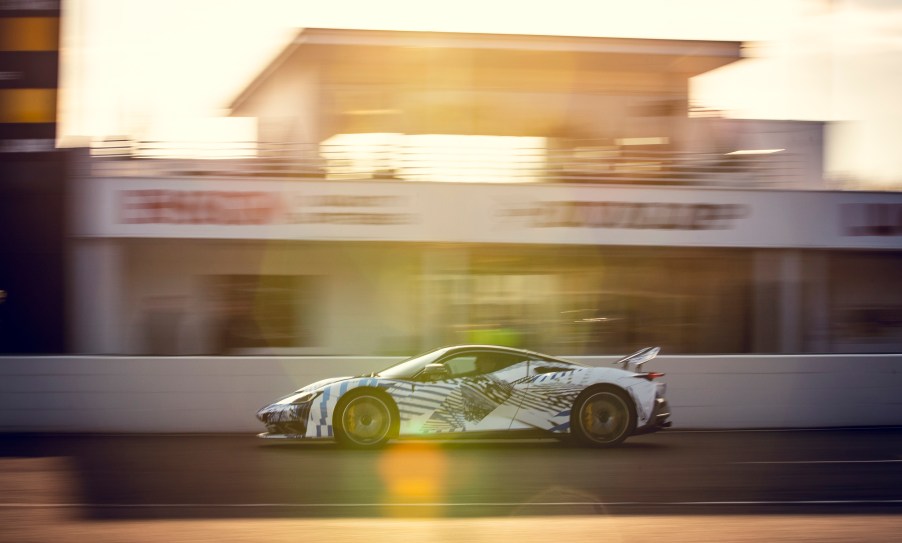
{"type": "Point", "coordinates": [209, 394]}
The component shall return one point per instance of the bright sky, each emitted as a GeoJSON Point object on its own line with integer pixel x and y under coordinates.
{"type": "Point", "coordinates": [163, 69]}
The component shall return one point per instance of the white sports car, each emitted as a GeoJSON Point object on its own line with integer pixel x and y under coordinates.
{"type": "Point", "coordinates": [477, 390]}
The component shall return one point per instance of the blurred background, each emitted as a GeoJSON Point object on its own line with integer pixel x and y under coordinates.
{"type": "Point", "coordinates": [349, 178]}
{"type": "Point", "coordinates": [205, 204]}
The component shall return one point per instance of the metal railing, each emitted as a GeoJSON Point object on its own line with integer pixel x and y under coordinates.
{"type": "Point", "coordinates": [584, 164]}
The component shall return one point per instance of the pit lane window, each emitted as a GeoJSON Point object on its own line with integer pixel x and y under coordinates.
{"type": "Point", "coordinates": [259, 313]}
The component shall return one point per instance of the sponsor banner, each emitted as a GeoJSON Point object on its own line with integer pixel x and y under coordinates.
{"type": "Point", "coordinates": [473, 213]}
{"type": "Point", "coordinates": [254, 210]}
{"type": "Point", "coordinates": [236, 207]}
{"type": "Point", "coordinates": [630, 215]}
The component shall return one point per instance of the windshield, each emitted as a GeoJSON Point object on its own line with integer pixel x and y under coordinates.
{"type": "Point", "coordinates": [411, 366]}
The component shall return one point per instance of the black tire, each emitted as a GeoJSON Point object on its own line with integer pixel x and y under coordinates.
{"type": "Point", "coordinates": [602, 417]}
{"type": "Point", "coordinates": [365, 419]}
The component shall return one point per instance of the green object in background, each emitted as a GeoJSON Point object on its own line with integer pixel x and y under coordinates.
{"type": "Point", "coordinates": [506, 337]}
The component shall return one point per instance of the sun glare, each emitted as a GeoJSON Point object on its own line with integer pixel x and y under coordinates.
{"type": "Point", "coordinates": [414, 473]}
{"type": "Point", "coordinates": [435, 157]}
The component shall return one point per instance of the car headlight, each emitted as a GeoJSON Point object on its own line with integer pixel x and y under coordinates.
{"type": "Point", "coordinates": [303, 397]}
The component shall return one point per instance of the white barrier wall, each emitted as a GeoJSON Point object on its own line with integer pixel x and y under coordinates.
{"type": "Point", "coordinates": [222, 394]}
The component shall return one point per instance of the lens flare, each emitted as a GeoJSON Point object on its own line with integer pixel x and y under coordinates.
{"type": "Point", "coordinates": [414, 473]}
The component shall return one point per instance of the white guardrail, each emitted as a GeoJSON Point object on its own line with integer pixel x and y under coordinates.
{"type": "Point", "coordinates": [222, 394]}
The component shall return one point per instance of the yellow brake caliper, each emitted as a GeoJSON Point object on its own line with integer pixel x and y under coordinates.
{"type": "Point", "coordinates": [352, 424]}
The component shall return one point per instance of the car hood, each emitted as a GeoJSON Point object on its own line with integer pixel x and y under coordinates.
{"type": "Point", "coordinates": [322, 383]}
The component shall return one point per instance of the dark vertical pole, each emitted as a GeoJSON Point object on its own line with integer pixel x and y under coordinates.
{"type": "Point", "coordinates": [32, 181]}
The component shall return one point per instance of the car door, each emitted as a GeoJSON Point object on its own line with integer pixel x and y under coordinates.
{"type": "Point", "coordinates": [475, 394]}
{"type": "Point", "coordinates": [488, 394]}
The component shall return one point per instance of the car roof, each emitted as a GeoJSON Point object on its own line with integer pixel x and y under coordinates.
{"type": "Point", "coordinates": [505, 349]}
{"type": "Point", "coordinates": [491, 347]}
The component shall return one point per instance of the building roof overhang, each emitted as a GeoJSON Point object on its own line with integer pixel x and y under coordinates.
{"type": "Point", "coordinates": [688, 57]}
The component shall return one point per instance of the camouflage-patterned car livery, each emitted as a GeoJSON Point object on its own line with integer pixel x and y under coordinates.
{"type": "Point", "coordinates": [477, 390]}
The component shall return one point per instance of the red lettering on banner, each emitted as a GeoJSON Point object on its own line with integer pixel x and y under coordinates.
{"type": "Point", "coordinates": [159, 206]}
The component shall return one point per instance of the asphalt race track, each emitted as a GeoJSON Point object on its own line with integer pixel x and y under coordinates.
{"type": "Point", "coordinates": [851, 477]}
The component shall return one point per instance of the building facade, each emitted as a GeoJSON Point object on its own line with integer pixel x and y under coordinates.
{"type": "Point", "coordinates": [412, 189]}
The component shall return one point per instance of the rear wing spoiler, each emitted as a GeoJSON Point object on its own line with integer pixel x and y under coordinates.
{"type": "Point", "coordinates": [634, 361]}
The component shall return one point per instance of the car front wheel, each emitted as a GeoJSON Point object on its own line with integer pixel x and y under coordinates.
{"type": "Point", "coordinates": [602, 417]}
{"type": "Point", "coordinates": [363, 421]}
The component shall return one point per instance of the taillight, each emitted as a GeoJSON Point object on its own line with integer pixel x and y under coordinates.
{"type": "Point", "coordinates": [650, 376]}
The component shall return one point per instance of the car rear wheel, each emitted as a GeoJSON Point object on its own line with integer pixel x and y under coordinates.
{"type": "Point", "coordinates": [363, 421]}
{"type": "Point", "coordinates": [602, 417]}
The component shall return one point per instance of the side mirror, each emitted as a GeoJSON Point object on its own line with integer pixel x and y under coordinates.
{"type": "Point", "coordinates": [434, 372]}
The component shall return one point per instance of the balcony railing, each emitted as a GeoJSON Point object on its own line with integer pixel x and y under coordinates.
{"type": "Point", "coordinates": [585, 164]}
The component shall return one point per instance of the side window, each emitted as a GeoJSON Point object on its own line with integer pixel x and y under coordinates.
{"type": "Point", "coordinates": [480, 363]}
{"type": "Point", "coordinates": [492, 362]}
{"type": "Point", "coordinates": [463, 364]}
